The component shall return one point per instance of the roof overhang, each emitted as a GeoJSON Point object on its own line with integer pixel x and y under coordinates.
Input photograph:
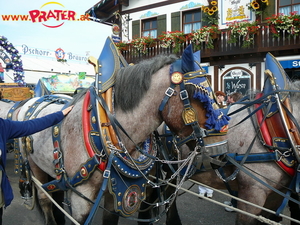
{"type": "Point", "coordinates": [104, 11]}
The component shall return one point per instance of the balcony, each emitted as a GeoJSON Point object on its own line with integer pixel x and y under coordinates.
{"type": "Point", "coordinates": [226, 53]}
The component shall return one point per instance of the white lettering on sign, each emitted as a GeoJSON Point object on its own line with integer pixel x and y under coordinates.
{"type": "Point", "coordinates": [76, 57]}
{"type": "Point", "coordinates": [34, 51]}
{"type": "Point", "coordinates": [237, 85]}
{"type": "Point", "coordinates": [25, 50]}
{"type": "Point", "coordinates": [296, 63]}
{"type": "Point", "coordinates": [236, 73]}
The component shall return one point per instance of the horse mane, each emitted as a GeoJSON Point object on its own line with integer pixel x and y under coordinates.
{"type": "Point", "coordinates": [23, 102]}
{"type": "Point", "coordinates": [295, 85]}
{"type": "Point", "coordinates": [78, 96]}
{"type": "Point", "coordinates": [251, 94]}
{"type": "Point", "coordinates": [133, 82]}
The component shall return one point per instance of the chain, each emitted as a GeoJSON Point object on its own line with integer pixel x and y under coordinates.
{"type": "Point", "coordinates": [180, 180]}
{"type": "Point", "coordinates": [283, 154]}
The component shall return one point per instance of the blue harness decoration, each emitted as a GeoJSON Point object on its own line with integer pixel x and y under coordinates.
{"type": "Point", "coordinates": [127, 194]}
{"type": "Point", "coordinates": [216, 123]}
{"type": "Point", "coordinates": [63, 182]}
{"type": "Point", "coordinates": [125, 179]}
{"type": "Point", "coordinates": [110, 61]}
{"type": "Point", "coordinates": [33, 112]}
{"type": "Point", "coordinates": [128, 175]}
{"type": "Point", "coordinates": [281, 82]}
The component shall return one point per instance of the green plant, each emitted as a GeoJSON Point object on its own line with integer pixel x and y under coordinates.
{"type": "Point", "coordinates": [205, 34]}
{"type": "Point", "coordinates": [243, 30]}
{"type": "Point", "coordinates": [61, 60]}
{"type": "Point", "coordinates": [210, 13]}
{"type": "Point", "coordinates": [289, 23]}
{"type": "Point", "coordinates": [122, 46]}
{"type": "Point", "coordinates": [142, 44]}
{"type": "Point", "coordinates": [258, 6]}
{"type": "Point", "coordinates": [172, 39]}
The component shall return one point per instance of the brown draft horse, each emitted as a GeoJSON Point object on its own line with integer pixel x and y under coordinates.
{"type": "Point", "coordinates": [239, 140]}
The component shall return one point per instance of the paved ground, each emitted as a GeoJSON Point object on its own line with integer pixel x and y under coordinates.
{"type": "Point", "coordinates": [193, 210]}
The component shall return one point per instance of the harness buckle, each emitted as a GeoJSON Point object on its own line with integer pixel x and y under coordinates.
{"type": "Point", "coordinates": [184, 95]}
{"type": "Point", "coordinates": [169, 92]}
{"type": "Point", "coordinates": [106, 173]}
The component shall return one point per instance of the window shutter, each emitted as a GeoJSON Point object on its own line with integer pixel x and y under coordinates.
{"type": "Point", "coordinates": [161, 24]}
{"type": "Point", "coordinates": [204, 19]}
{"type": "Point", "coordinates": [136, 33]}
{"type": "Point", "coordinates": [175, 21]}
{"type": "Point", "coordinates": [270, 10]}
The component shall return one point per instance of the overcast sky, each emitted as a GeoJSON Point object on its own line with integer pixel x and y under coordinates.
{"type": "Point", "coordinates": [73, 36]}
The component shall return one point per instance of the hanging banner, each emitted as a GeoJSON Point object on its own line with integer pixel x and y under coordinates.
{"type": "Point", "coordinates": [65, 83]}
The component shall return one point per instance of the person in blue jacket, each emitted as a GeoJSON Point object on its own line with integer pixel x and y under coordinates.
{"type": "Point", "coordinates": [15, 129]}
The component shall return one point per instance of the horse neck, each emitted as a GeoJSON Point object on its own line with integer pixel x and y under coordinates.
{"type": "Point", "coordinates": [296, 108]}
{"type": "Point", "coordinates": [240, 137]}
{"type": "Point", "coordinates": [4, 108]}
{"type": "Point", "coordinates": [140, 122]}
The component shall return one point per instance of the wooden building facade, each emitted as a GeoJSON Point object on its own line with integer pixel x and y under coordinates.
{"type": "Point", "coordinates": [232, 65]}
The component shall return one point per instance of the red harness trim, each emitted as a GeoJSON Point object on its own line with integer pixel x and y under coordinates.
{"type": "Point", "coordinates": [267, 137]}
{"type": "Point", "coordinates": [86, 127]}
{"type": "Point", "coordinates": [56, 157]}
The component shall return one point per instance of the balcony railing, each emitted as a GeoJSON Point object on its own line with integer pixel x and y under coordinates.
{"type": "Point", "coordinates": [264, 42]}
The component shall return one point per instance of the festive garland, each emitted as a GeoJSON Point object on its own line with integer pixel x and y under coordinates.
{"type": "Point", "coordinates": [16, 62]}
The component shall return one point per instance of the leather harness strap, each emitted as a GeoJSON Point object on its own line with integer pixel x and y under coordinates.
{"type": "Point", "coordinates": [86, 128]}
{"type": "Point", "coordinates": [109, 101]}
{"type": "Point", "coordinates": [272, 128]}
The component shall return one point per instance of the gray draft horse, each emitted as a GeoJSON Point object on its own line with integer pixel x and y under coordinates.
{"type": "Point", "coordinates": [138, 93]}
{"type": "Point", "coordinates": [240, 139]}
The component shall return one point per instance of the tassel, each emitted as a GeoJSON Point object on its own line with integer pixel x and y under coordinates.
{"type": "Point", "coordinates": [215, 118]}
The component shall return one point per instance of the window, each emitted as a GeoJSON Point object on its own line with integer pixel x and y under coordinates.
{"type": "Point", "coordinates": [149, 28]}
{"type": "Point", "coordinates": [294, 74]}
{"type": "Point", "coordinates": [191, 21]}
{"type": "Point", "coordinates": [288, 6]}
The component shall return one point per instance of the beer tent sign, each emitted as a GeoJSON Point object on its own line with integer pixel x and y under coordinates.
{"type": "Point", "coordinates": [237, 80]}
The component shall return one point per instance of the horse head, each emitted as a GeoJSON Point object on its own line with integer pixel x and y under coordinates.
{"type": "Point", "coordinates": [189, 108]}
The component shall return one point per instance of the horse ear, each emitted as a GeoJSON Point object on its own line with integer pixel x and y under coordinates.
{"type": "Point", "coordinates": [197, 60]}
{"type": "Point", "coordinates": [188, 59]}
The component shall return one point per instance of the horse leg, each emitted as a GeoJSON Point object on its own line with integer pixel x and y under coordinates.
{"type": "Point", "coordinates": [172, 214]}
{"type": "Point", "coordinates": [152, 196]}
{"type": "Point", "coordinates": [46, 206]}
{"type": "Point", "coordinates": [256, 195]}
{"type": "Point", "coordinates": [58, 214]}
{"type": "Point", "coordinates": [273, 202]}
{"type": "Point", "coordinates": [146, 210]}
{"type": "Point", "coordinates": [109, 218]}
{"type": "Point", "coordinates": [294, 208]}
{"type": "Point", "coordinates": [44, 202]}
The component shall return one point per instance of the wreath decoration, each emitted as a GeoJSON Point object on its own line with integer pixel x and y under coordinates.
{"type": "Point", "coordinates": [60, 55]}
{"type": "Point", "coordinates": [16, 62]}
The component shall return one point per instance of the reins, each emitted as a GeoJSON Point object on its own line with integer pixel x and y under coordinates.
{"type": "Point", "coordinates": [266, 102]}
